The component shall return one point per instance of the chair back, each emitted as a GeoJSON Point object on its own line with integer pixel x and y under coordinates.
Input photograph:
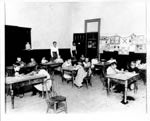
{"type": "Point", "coordinates": [48, 92]}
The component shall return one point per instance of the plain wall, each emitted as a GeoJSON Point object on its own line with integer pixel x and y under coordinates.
{"type": "Point", "coordinates": [58, 21]}
{"type": "Point", "coordinates": [122, 18]}
{"type": "Point", "coordinates": [49, 22]}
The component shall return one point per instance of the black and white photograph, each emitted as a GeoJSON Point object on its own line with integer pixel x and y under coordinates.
{"type": "Point", "coordinates": [74, 57]}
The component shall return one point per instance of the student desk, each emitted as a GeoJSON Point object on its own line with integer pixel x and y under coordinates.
{"type": "Point", "coordinates": [23, 80]}
{"type": "Point", "coordinates": [124, 78]}
{"type": "Point", "coordinates": [102, 66]}
{"type": "Point", "coordinates": [25, 69]}
{"type": "Point", "coordinates": [50, 66]}
{"type": "Point", "coordinates": [70, 69]}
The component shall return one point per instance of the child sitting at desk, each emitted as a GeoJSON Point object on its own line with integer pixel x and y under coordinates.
{"type": "Point", "coordinates": [94, 61]}
{"type": "Point", "coordinates": [32, 62]}
{"type": "Point", "coordinates": [58, 59]}
{"type": "Point", "coordinates": [112, 69]}
{"type": "Point", "coordinates": [66, 64]}
{"type": "Point", "coordinates": [87, 63]}
{"type": "Point", "coordinates": [142, 69]}
{"type": "Point", "coordinates": [82, 58]}
{"type": "Point", "coordinates": [44, 60]}
{"type": "Point", "coordinates": [19, 62]}
{"type": "Point", "coordinates": [81, 74]}
{"type": "Point", "coordinates": [38, 87]}
{"type": "Point", "coordinates": [132, 68]}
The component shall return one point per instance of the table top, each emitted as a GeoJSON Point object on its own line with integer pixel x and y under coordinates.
{"type": "Point", "coordinates": [122, 76]}
{"type": "Point", "coordinates": [102, 64]}
{"type": "Point", "coordinates": [22, 78]}
{"type": "Point", "coordinates": [69, 68]}
{"type": "Point", "coordinates": [26, 66]}
{"type": "Point", "coordinates": [51, 64]}
{"type": "Point", "coordinates": [9, 67]}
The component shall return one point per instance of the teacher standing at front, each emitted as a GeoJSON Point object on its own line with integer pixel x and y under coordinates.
{"type": "Point", "coordinates": [54, 51]}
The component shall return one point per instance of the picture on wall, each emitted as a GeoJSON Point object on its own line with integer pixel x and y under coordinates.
{"type": "Point", "coordinates": [140, 48]}
{"type": "Point", "coordinates": [91, 44]}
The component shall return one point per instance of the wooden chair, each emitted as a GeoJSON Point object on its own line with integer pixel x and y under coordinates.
{"type": "Point", "coordinates": [55, 102]}
{"type": "Point", "coordinates": [87, 79]}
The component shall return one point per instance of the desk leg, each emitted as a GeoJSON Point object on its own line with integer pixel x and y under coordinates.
{"type": "Point", "coordinates": [124, 101]}
{"type": "Point", "coordinates": [72, 79]}
{"type": "Point", "coordinates": [43, 89]}
{"type": "Point", "coordinates": [12, 96]}
{"type": "Point", "coordinates": [108, 86]}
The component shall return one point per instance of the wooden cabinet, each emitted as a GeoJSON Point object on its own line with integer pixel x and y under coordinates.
{"type": "Point", "coordinates": [15, 41]}
{"type": "Point", "coordinates": [91, 49]}
{"type": "Point", "coordinates": [79, 40]}
{"type": "Point", "coordinates": [86, 44]}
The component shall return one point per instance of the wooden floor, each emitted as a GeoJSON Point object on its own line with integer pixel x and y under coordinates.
{"type": "Point", "coordinates": [83, 100]}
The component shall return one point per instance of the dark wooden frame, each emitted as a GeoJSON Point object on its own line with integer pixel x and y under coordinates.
{"type": "Point", "coordinates": [85, 30]}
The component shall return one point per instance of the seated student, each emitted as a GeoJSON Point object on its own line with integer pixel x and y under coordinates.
{"type": "Point", "coordinates": [44, 60]}
{"type": "Point", "coordinates": [17, 69]}
{"type": "Point", "coordinates": [142, 70]}
{"type": "Point", "coordinates": [59, 59]}
{"type": "Point", "coordinates": [19, 62]}
{"type": "Point", "coordinates": [18, 90]}
{"type": "Point", "coordinates": [81, 74]}
{"type": "Point", "coordinates": [32, 62]}
{"type": "Point", "coordinates": [112, 69]}
{"type": "Point", "coordinates": [94, 61]}
{"type": "Point", "coordinates": [67, 63]}
{"type": "Point", "coordinates": [18, 65]}
{"type": "Point", "coordinates": [132, 67]}
{"type": "Point", "coordinates": [38, 87]}
{"type": "Point", "coordinates": [87, 63]}
{"type": "Point", "coordinates": [82, 58]}
{"type": "Point", "coordinates": [138, 63]}
{"type": "Point", "coordinates": [111, 60]}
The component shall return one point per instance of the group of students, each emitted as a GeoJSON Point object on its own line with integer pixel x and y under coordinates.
{"type": "Point", "coordinates": [83, 67]}
{"type": "Point", "coordinates": [132, 67]}
{"type": "Point", "coordinates": [19, 64]}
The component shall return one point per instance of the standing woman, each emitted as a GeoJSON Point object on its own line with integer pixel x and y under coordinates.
{"type": "Point", "coordinates": [74, 50]}
{"type": "Point", "coordinates": [54, 50]}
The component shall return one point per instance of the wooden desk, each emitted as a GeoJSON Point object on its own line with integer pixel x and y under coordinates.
{"type": "Point", "coordinates": [50, 66]}
{"type": "Point", "coordinates": [103, 66]}
{"type": "Point", "coordinates": [124, 78]}
{"type": "Point", "coordinates": [72, 70]}
{"type": "Point", "coordinates": [25, 69]}
{"type": "Point", "coordinates": [23, 80]}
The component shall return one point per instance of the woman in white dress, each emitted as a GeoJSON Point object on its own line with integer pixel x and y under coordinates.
{"type": "Point", "coordinates": [54, 51]}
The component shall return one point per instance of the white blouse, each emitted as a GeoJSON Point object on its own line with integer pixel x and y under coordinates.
{"type": "Point", "coordinates": [54, 49]}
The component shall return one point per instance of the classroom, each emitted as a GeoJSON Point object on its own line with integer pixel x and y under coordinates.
{"type": "Point", "coordinates": [75, 57]}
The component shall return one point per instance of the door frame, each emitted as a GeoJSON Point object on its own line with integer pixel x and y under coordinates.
{"type": "Point", "coordinates": [85, 30]}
